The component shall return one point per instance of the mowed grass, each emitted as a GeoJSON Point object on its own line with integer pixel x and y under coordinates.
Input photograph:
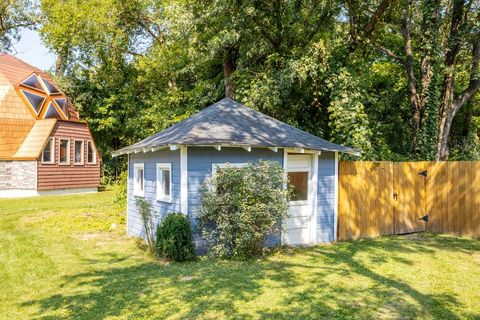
{"type": "Point", "coordinates": [61, 258]}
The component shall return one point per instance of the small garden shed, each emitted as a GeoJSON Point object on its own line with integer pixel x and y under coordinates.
{"type": "Point", "coordinates": [170, 167]}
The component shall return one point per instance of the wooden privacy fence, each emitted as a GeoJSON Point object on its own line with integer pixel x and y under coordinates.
{"type": "Point", "coordinates": [384, 198]}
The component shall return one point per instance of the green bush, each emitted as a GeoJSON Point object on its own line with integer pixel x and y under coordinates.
{"type": "Point", "coordinates": [144, 208]}
{"type": "Point", "coordinates": [241, 206]}
{"type": "Point", "coordinates": [121, 191]}
{"type": "Point", "coordinates": [174, 238]}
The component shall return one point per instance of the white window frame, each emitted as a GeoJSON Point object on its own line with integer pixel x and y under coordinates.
{"type": "Point", "coordinates": [82, 154]}
{"type": "Point", "coordinates": [160, 192]}
{"type": "Point", "coordinates": [52, 151]}
{"type": "Point", "coordinates": [225, 164]}
{"type": "Point", "coordinates": [90, 142]}
{"type": "Point", "coordinates": [67, 163]}
{"type": "Point", "coordinates": [136, 190]}
{"type": "Point", "coordinates": [301, 166]}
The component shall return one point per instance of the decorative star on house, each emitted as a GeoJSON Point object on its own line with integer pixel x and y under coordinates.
{"type": "Point", "coordinates": [44, 99]}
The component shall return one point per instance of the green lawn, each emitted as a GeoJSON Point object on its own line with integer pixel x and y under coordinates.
{"type": "Point", "coordinates": [60, 258]}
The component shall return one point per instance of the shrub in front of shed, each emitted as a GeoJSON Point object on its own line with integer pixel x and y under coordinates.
{"type": "Point", "coordinates": [240, 206]}
{"type": "Point", "coordinates": [144, 208]}
{"type": "Point", "coordinates": [174, 238]}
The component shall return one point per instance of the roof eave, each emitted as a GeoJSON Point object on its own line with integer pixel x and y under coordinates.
{"type": "Point", "coordinates": [129, 150]}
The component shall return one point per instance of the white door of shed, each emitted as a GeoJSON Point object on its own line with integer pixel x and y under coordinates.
{"type": "Point", "coordinates": [298, 226]}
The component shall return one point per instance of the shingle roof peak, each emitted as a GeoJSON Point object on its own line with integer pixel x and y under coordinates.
{"type": "Point", "coordinates": [230, 123]}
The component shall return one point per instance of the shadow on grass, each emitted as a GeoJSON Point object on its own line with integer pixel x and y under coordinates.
{"type": "Point", "coordinates": [207, 289]}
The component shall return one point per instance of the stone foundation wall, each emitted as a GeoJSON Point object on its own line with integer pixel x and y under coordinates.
{"type": "Point", "coordinates": [18, 175]}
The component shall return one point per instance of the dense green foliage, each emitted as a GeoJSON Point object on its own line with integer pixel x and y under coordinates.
{"type": "Point", "coordinates": [392, 78]}
{"type": "Point", "coordinates": [174, 238]}
{"type": "Point", "coordinates": [242, 206]}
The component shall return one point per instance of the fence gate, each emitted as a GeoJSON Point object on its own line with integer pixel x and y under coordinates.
{"type": "Point", "coordinates": [382, 198]}
{"type": "Point", "coordinates": [409, 196]}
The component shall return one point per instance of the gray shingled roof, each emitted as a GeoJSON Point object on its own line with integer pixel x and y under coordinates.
{"type": "Point", "coordinates": [229, 123]}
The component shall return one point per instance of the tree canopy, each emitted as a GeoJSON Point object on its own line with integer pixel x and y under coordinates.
{"type": "Point", "coordinates": [397, 79]}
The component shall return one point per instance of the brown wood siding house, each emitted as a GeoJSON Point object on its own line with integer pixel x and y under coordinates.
{"type": "Point", "coordinates": [45, 148]}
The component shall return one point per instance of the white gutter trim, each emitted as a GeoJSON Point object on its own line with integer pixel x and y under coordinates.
{"type": "Point", "coordinates": [274, 149]}
{"type": "Point", "coordinates": [218, 148]}
{"type": "Point", "coordinates": [249, 149]}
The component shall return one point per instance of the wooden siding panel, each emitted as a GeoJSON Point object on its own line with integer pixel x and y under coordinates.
{"type": "Point", "coordinates": [56, 176]}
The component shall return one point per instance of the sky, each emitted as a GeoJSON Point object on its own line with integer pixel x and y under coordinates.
{"type": "Point", "coordinates": [31, 50]}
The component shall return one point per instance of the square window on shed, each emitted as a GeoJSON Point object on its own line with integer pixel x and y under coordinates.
{"type": "Point", "coordinates": [139, 179]}
{"type": "Point", "coordinates": [64, 151]}
{"type": "Point", "coordinates": [48, 152]}
{"type": "Point", "coordinates": [299, 183]}
{"type": "Point", "coordinates": [164, 182]}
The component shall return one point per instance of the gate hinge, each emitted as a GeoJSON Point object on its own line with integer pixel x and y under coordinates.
{"type": "Point", "coordinates": [424, 173]}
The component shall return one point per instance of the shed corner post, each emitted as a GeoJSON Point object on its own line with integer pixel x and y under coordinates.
{"type": "Point", "coordinates": [283, 235]}
{"type": "Point", "coordinates": [128, 191]}
{"type": "Point", "coordinates": [335, 204]}
{"type": "Point", "coordinates": [315, 175]}
{"type": "Point", "coordinates": [183, 180]}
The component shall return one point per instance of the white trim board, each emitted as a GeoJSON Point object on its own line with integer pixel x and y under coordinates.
{"type": "Point", "coordinates": [335, 202]}
{"type": "Point", "coordinates": [184, 180]}
{"type": "Point", "coordinates": [313, 223]}
{"type": "Point", "coordinates": [128, 191]}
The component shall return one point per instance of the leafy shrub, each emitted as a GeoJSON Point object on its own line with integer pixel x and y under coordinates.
{"type": "Point", "coordinates": [144, 208]}
{"type": "Point", "coordinates": [121, 191]}
{"type": "Point", "coordinates": [174, 238]}
{"type": "Point", "coordinates": [241, 206]}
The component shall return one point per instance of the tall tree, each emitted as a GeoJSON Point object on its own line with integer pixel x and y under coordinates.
{"type": "Point", "coordinates": [14, 15]}
{"type": "Point", "coordinates": [432, 31]}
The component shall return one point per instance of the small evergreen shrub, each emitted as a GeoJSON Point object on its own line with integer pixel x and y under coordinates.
{"type": "Point", "coordinates": [241, 206]}
{"type": "Point", "coordinates": [174, 238]}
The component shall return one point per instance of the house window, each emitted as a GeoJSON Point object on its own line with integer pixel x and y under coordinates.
{"type": "Point", "coordinates": [139, 179]}
{"type": "Point", "coordinates": [78, 152]}
{"type": "Point", "coordinates": [164, 182]}
{"type": "Point", "coordinates": [299, 183]}
{"type": "Point", "coordinates": [64, 151]}
{"type": "Point", "coordinates": [91, 154]}
{"type": "Point", "coordinates": [48, 152]}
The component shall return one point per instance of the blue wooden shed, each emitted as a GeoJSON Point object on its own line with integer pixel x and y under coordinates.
{"type": "Point", "coordinates": [170, 167]}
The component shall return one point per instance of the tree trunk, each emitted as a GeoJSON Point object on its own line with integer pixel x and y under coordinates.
{"type": "Point", "coordinates": [449, 105]}
{"type": "Point", "coordinates": [61, 62]}
{"type": "Point", "coordinates": [412, 87]}
{"type": "Point", "coordinates": [229, 66]}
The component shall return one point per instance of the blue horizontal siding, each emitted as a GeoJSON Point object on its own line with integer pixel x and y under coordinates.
{"type": "Point", "coordinates": [159, 208]}
{"type": "Point", "coordinates": [326, 197]}
{"type": "Point", "coordinates": [199, 162]}
{"type": "Point", "coordinates": [201, 159]}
